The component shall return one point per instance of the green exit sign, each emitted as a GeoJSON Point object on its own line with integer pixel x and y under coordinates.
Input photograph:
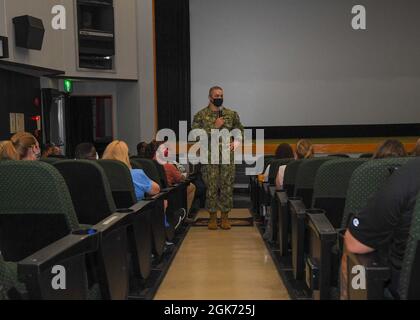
{"type": "Point", "coordinates": [68, 86]}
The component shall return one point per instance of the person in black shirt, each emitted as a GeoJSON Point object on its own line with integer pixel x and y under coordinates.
{"type": "Point", "coordinates": [384, 225]}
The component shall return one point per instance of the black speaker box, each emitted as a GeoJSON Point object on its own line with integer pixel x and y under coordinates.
{"type": "Point", "coordinates": [29, 32]}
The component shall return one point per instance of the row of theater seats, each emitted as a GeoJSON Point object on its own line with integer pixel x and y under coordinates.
{"type": "Point", "coordinates": [309, 218]}
{"type": "Point", "coordinates": [74, 229]}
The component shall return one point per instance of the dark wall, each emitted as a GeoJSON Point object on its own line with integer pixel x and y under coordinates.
{"type": "Point", "coordinates": [17, 94]}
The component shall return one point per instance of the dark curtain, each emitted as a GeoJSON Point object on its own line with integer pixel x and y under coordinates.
{"type": "Point", "coordinates": [173, 69]}
{"type": "Point", "coordinates": [47, 100]}
{"type": "Point", "coordinates": [79, 122]}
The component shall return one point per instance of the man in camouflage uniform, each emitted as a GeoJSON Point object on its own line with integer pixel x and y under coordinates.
{"type": "Point", "coordinates": [219, 178]}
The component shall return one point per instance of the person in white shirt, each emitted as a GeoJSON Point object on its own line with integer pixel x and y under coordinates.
{"type": "Point", "coordinates": [283, 151]}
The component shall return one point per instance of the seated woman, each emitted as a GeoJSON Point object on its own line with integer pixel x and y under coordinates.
{"type": "Point", "coordinates": [118, 150]}
{"type": "Point", "coordinates": [304, 150]}
{"type": "Point", "coordinates": [174, 175]}
{"type": "Point", "coordinates": [390, 149]}
{"type": "Point", "coordinates": [283, 151]}
{"type": "Point", "coordinates": [22, 146]}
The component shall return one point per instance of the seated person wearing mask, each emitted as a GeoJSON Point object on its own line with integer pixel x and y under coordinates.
{"type": "Point", "coordinates": [174, 175]}
{"type": "Point", "coordinates": [384, 224]}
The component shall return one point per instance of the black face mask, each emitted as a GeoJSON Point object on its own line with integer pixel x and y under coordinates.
{"type": "Point", "coordinates": [218, 102]}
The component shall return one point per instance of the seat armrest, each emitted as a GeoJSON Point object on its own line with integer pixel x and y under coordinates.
{"type": "Point", "coordinates": [115, 221]}
{"type": "Point", "coordinates": [176, 186]}
{"type": "Point", "coordinates": [141, 205]}
{"type": "Point", "coordinates": [377, 272]}
{"type": "Point", "coordinates": [186, 182]}
{"type": "Point", "coordinates": [319, 260]}
{"type": "Point", "coordinates": [297, 206]}
{"type": "Point", "coordinates": [320, 224]}
{"type": "Point", "coordinates": [63, 249]}
{"type": "Point", "coordinates": [169, 189]}
{"type": "Point", "coordinates": [282, 197]}
{"type": "Point", "coordinates": [266, 187]}
{"type": "Point", "coordinates": [272, 191]}
{"type": "Point", "coordinates": [161, 195]}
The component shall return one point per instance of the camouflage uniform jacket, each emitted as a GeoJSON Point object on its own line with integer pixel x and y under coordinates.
{"type": "Point", "coordinates": [206, 118]}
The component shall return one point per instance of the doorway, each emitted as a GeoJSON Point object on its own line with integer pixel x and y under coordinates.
{"type": "Point", "coordinates": [89, 119]}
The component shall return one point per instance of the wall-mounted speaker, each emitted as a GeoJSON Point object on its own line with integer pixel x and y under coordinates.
{"type": "Point", "coordinates": [29, 32]}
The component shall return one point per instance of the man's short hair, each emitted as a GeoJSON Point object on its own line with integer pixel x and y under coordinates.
{"type": "Point", "coordinates": [85, 151]}
{"type": "Point", "coordinates": [141, 147]}
{"type": "Point", "coordinates": [214, 89]}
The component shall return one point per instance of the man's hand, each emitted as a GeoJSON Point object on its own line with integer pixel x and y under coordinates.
{"type": "Point", "coordinates": [219, 123]}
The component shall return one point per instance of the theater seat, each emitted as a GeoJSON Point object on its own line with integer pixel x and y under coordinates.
{"type": "Point", "coordinates": [305, 178]}
{"type": "Point", "coordinates": [410, 272]}
{"type": "Point", "coordinates": [330, 191]}
{"type": "Point", "coordinates": [254, 189]}
{"type": "Point", "coordinates": [51, 160]}
{"type": "Point", "coordinates": [305, 181]}
{"type": "Point", "coordinates": [158, 215]}
{"type": "Point", "coordinates": [270, 204]}
{"type": "Point", "coordinates": [290, 177]}
{"type": "Point", "coordinates": [39, 230]}
{"type": "Point", "coordinates": [366, 180]}
{"type": "Point", "coordinates": [176, 196]}
{"type": "Point", "coordinates": [331, 186]}
{"type": "Point", "coordinates": [140, 232]}
{"type": "Point", "coordinates": [177, 199]}
{"type": "Point", "coordinates": [92, 199]}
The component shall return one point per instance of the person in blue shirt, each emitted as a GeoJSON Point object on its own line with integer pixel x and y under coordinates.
{"type": "Point", "coordinates": [118, 150]}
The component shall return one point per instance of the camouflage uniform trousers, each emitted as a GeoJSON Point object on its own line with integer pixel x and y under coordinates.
{"type": "Point", "coordinates": [219, 180]}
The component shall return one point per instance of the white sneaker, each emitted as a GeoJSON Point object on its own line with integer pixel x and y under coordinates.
{"type": "Point", "coordinates": [184, 213]}
{"type": "Point", "coordinates": [178, 223]}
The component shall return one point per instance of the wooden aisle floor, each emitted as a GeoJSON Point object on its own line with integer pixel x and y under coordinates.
{"type": "Point", "coordinates": [223, 265]}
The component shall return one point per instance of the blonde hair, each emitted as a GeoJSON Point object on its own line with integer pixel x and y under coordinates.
{"type": "Point", "coordinates": [304, 149]}
{"type": "Point", "coordinates": [117, 150]}
{"type": "Point", "coordinates": [18, 146]}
